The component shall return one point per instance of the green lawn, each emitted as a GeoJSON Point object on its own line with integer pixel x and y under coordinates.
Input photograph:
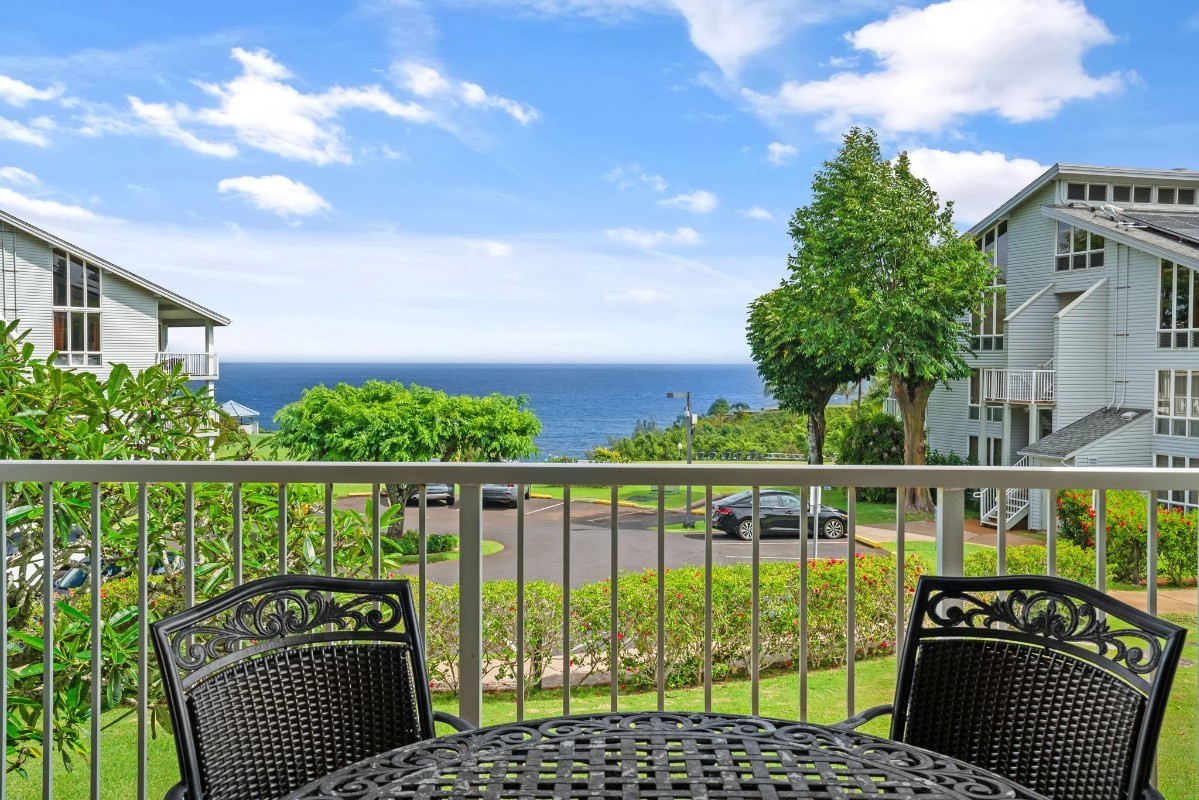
{"type": "Point", "coordinates": [875, 681]}
{"type": "Point", "coordinates": [928, 550]}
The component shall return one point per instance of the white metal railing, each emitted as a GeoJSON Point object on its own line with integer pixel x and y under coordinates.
{"type": "Point", "coordinates": [137, 481]}
{"type": "Point", "coordinates": [199, 365]}
{"type": "Point", "coordinates": [1020, 385]}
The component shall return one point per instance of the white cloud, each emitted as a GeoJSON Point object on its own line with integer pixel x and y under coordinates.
{"type": "Point", "coordinates": [647, 239]}
{"type": "Point", "coordinates": [17, 176]}
{"type": "Point", "coordinates": [977, 183]}
{"type": "Point", "coordinates": [638, 295]}
{"type": "Point", "coordinates": [277, 194]}
{"type": "Point", "coordinates": [778, 153]}
{"type": "Point", "coordinates": [624, 176]}
{"type": "Point", "coordinates": [18, 93]}
{"type": "Point", "coordinates": [261, 110]}
{"type": "Point", "coordinates": [16, 132]}
{"type": "Point", "coordinates": [164, 120]}
{"type": "Point", "coordinates": [37, 210]}
{"type": "Point", "coordinates": [491, 249]}
{"type": "Point", "coordinates": [1018, 59]}
{"type": "Point", "coordinates": [393, 155]}
{"type": "Point", "coordinates": [427, 82]}
{"type": "Point", "coordinates": [698, 202]}
{"type": "Point", "coordinates": [756, 212]}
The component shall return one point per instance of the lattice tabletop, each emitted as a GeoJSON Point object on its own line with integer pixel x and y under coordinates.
{"type": "Point", "coordinates": [660, 756]}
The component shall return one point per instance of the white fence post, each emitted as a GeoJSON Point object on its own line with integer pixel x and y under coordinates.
{"type": "Point", "coordinates": [470, 603]}
{"type": "Point", "coordinates": [951, 531]}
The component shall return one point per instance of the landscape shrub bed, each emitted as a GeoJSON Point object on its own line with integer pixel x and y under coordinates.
{"type": "Point", "coordinates": [637, 592]}
{"type": "Point", "coordinates": [1073, 562]}
{"type": "Point", "coordinates": [1127, 525]}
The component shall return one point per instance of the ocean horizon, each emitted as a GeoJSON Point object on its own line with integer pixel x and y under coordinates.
{"type": "Point", "coordinates": [580, 405]}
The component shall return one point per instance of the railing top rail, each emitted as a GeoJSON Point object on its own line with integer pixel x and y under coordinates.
{"type": "Point", "coordinates": [703, 474]}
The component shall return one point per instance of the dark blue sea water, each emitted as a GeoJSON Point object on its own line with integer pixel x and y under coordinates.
{"type": "Point", "coordinates": [579, 406]}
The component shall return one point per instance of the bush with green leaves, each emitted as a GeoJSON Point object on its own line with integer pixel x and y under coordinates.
{"type": "Point", "coordinates": [871, 438]}
{"type": "Point", "coordinates": [735, 431]}
{"type": "Point", "coordinates": [1073, 562]}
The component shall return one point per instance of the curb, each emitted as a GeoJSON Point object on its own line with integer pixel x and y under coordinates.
{"type": "Point", "coordinates": [868, 542]}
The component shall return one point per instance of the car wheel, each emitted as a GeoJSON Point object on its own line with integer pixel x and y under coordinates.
{"type": "Point", "coordinates": [833, 528]}
{"type": "Point", "coordinates": [527, 495]}
{"type": "Point", "coordinates": [449, 501]}
{"type": "Point", "coordinates": [745, 530]}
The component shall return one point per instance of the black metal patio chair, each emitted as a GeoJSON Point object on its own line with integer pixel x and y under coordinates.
{"type": "Point", "coordinates": [287, 679]}
{"type": "Point", "coordinates": [1043, 680]}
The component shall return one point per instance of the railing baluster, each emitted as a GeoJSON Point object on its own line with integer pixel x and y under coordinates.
{"type": "Point", "coordinates": [520, 603]}
{"type": "Point", "coordinates": [755, 633]}
{"type": "Point", "coordinates": [951, 526]}
{"type": "Point", "coordinates": [901, 588]}
{"type": "Point", "coordinates": [237, 535]}
{"type": "Point", "coordinates": [143, 637]}
{"type": "Point", "coordinates": [470, 603]}
{"type": "Point", "coordinates": [1151, 556]}
{"type": "Point", "coordinates": [97, 577]}
{"type": "Point", "coordinates": [1051, 536]}
{"type": "Point", "coordinates": [851, 559]}
{"type": "Point", "coordinates": [4, 626]}
{"type": "Point", "coordinates": [614, 599]}
{"type": "Point", "coordinates": [566, 647]}
{"type": "Point", "coordinates": [1101, 540]}
{"type": "Point", "coordinates": [1001, 512]}
{"type": "Point", "coordinates": [376, 532]}
{"type": "Point", "coordinates": [329, 554]}
{"type": "Point", "coordinates": [661, 665]}
{"type": "Point", "coordinates": [47, 639]}
{"type": "Point", "coordinates": [803, 600]}
{"type": "Point", "coordinates": [282, 529]}
{"type": "Point", "coordinates": [422, 558]}
{"type": "Point", "coordinates": [707, 598]}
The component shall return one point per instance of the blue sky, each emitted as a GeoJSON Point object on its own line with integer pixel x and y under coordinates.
{"type": "Point", "coordinates": [538, 180]}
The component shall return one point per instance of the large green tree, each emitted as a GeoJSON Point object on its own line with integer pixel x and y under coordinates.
{"type": "Point", "coordinates": [799, 381]}
{"type": "Point", "coordinates": [886, 280]}
{"type": "Point", "coordinates": [388, 421]}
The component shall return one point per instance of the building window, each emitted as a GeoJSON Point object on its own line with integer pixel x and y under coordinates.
{"type": "Point", "coordinates": [76, 311]}
{"type": "Point", "coordinates": [1088, 192]}
{"type": "Point", "coordinates": [1176, 328]}
{"type": "Point", "coordinates": [996, 447]}
{"type": "Point", "coordinates": [1078, 249]}
{"type": "Point", "coordinates": [994, 413]}
{"type": "Point", "coordinates": [986, 322]}
{"type": "Point", "coordinates": [1177, 410]}
{"type": "Point", "coordinates": [1177, 498]}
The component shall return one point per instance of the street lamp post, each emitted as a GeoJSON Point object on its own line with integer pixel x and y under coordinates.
{"type": "Point", "coordinates": [687, 522]}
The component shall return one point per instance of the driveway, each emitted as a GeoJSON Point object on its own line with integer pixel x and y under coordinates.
{"type": "Point", "coordinates": [590, 542]}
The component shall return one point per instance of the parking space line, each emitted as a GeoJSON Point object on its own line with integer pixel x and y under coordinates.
{"type": "Point", "coordinates": [546, 508]}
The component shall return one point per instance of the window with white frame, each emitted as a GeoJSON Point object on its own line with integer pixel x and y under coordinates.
{"type": "Point", "coordinates": [1078, 192]}
{"type": "Point", "coordinates": [1078, 249]}
{"type": "Point", "coordinates": [1177, 498]}
{"type": "Point", "coordinates": [1176, 290]}
{"type": "Point", "coordinates": [1177, 409]}
{"type": "Point", "coordinates": [986, 321]}
{"type": "Point", "coordinates": [76, 311]}
{"type": "Point", "coordinates": [994, 413]}
{"type": "Point", "coordinates": [1087, 192]}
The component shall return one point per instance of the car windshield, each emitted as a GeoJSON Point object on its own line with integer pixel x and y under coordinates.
{"type": "Point", "coordinates": [734, 499]}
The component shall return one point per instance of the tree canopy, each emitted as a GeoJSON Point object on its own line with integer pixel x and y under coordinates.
{"type": "Point", "coordinates": [799, 381]}
{"type": "Point", "coordinates": [388, 421]}
{"type": "Point", "coordinates": [886, 280]}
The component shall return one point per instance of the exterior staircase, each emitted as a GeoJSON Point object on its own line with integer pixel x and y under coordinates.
{"type": "Point", "coordinates": [1016, 503]}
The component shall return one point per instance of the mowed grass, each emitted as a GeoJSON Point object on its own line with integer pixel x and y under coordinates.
{"type": "Point", "coordinates": [779, 697]}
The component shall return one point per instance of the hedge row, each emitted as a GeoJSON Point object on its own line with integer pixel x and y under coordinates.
{"type": "Point", "coordinates": [636, 629]}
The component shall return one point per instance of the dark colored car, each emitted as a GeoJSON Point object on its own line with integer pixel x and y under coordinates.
{"type": "Point", "coordinates": [779, 512]}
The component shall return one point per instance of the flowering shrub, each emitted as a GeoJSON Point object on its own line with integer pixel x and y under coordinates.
{"type": "Point", "coordinates": [1073, 562]}
{"type": "Point", "coordinates": [637, 614]}
{"type": "Point", "coordinates": [1127, 526]}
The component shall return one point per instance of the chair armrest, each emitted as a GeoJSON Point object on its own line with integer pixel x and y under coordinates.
{"type": "Point", "coordinates": [1152, 794]}
{"type": "Point", "coordinates": [858, 720]}
{"type": "Point", "coordinates": [457, 723]}
{"type": "Point", "coordinates": [177, 792]}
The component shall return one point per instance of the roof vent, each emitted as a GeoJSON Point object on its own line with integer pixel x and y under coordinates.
{"type": "Point", "coordinates": [1128, 415]}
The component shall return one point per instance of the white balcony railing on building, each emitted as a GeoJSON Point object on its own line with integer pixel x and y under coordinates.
{"type": "Point", "coordinates": [198, 365]}
{"type": "Point", "coordinates": [141, 485]}
{"type": "Point", "coordinates": [1019, 385]}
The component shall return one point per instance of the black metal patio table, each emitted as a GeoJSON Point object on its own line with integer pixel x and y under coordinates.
{"type": "Point", "coordinates": [661, 755]}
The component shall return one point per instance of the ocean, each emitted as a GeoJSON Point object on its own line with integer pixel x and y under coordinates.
{"type": "Point", "coordinates": [580, 406]}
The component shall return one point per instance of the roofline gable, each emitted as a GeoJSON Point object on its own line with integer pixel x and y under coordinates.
{"type": "Point", "coordinates": [137, 280]}
{"type": "Point", "coordinates": [1115, 235]}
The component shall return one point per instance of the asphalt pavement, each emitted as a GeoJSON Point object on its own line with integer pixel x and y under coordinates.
{"type": "Point", "coordinates": [590, 542]}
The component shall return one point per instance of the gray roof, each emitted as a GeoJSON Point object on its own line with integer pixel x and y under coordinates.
{"type": "Point", "coordinates": [236, 409]}
{"type": "Point", "coordinates": [1088, 430]}
{"type": "Point", "coordinates": [137, 280]}
{"type": "Point", "coordinates": [1160, 239]}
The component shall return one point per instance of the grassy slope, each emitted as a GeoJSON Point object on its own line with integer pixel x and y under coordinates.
{"type": "Point", "coordinates": [875, 681]}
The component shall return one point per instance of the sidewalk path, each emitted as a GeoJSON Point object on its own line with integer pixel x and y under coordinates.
{"type": "Point", "coordinates": [925, 531]}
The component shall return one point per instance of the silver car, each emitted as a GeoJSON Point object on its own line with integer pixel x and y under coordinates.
{"type": "Point", "coordinates": [436, 491]}
{"type": "Point", "coordinates": [505, 493]}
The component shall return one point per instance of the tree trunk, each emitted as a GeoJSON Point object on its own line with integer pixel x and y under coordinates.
{"type": "Point", "coordinates": [912, 396]}
{"type": "Point", "coordinates": [398, 494]}
{"type": "Point", "coordinates": [816, 426]}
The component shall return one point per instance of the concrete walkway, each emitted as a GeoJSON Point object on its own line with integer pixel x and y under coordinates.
{"type": "Point", "coordinates": [925, 531]}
